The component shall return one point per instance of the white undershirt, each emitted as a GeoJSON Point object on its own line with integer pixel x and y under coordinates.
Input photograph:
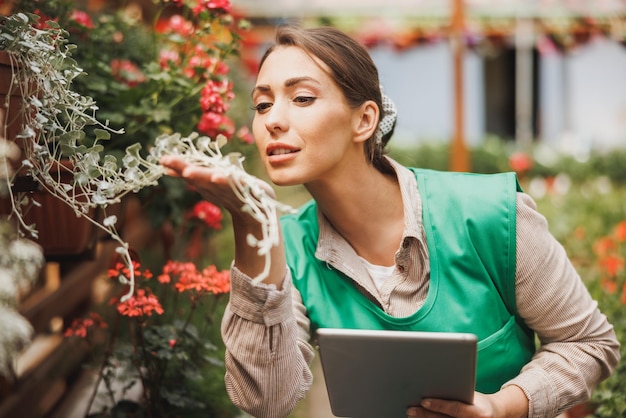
{"type": "Point", "coordinates": [378, 273]}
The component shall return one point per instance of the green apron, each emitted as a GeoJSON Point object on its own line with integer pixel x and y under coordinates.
{"type": "Point", "coordinates": [469, 221]}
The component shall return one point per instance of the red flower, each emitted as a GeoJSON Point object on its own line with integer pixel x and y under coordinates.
{"type": "Point", "coordinates": [215, 96]}
{"type": "Point", "coordinates": [80, 326]}
{"type": "Point", "coordinates": [612, 264]}
{"type": "Point", "coordinates": [208, 213]}
{"type": "Point", "coordinates": [82, 18]}
{"type": "Point", "coordinates": [142, 303]}
{"type": "Point", "coordinates": [121, 269]}
{"type": "Point", "coordinates": [213, 124]}
{"type": "Point", "coordinates": [216, 6]}
{"type": "Point", "coordinates": [610, 286]}
{"type": "Point", "coordinates": [164, 278]}
{"type": "Point", "coordinates": [175, 268]}
{"type": "Point", "coordinates": [520, 162]}
{"type": "Point", "coordinates": [42, 22]}
{"type": "Point", "coordinates": [175, 24]}
{"type": "Point", "coordinates": [209, 280]}
{"type": "Point", "coordinates": [620, 231]}
{"type": "Point", "coordinates": [604, 246]}
{"type": "Point", "coordinates": [218, 281]}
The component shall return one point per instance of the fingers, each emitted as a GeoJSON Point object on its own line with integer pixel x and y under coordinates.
{"type": "Point", "coordinates": [419, 412]}
{"type": "Point", "coordinates": [173, 166]}
{"type": "Point", "coordinates": [178, 167]}
{"type": "Point", "coordinates": [212, 184]}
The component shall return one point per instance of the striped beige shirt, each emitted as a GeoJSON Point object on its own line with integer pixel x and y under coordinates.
{"type": "Point", "coordinates": [267, 336]}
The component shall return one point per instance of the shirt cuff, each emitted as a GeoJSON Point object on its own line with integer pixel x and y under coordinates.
{"type": "Point", "coordinates": [260, 303]}
{"type": "Point", "coordinates": [543, 398]}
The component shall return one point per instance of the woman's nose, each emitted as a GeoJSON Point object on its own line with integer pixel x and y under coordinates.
{"type": "Point", "coordinates": [276, 118]}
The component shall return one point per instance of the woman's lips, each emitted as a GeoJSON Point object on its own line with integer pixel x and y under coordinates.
{"type": "Point", "coordinates": [281, 151]}
{"type": "Point", "coordinates": [278, 153]}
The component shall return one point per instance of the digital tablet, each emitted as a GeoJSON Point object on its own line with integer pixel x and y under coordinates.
{"type": "Point", "coordinates": [378, 374]}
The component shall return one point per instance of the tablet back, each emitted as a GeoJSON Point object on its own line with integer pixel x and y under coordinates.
{"type": "Point", "coordinates": [378, 374]}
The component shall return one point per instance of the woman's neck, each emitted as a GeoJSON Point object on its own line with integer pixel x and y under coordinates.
{"type": "Point", "coordinates": [366, 208]}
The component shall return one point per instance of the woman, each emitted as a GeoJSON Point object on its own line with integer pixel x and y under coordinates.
{"type": "Point", "coordinates": [368, 243]}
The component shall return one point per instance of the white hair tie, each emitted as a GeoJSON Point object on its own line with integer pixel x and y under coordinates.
{"type": "Point", "coordinates": [389, 118]}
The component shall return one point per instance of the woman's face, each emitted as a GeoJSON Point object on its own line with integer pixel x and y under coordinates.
{"type": "Point", "coordinates": [303, 125]}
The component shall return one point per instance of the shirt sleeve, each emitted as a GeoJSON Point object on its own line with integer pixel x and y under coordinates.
{"type": "Point", "coordinates": [267, 350]}
{"type": "Point", "coordinates": [578, 347]}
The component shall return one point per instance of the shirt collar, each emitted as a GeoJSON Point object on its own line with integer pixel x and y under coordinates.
{"type": "Point", "coordinates": [330, 242]}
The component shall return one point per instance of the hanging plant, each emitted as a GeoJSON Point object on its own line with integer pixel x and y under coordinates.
{"type": "Point", "coordinates": [54, 129]}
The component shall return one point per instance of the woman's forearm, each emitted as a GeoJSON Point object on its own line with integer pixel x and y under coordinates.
{"type": "Point", "coordinates": [267, 369]}
{"type": "Point", "coordinates": [247, 257]}
{"type": "Point", "coordinates": [510, 402]}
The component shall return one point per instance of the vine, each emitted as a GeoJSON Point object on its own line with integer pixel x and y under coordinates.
{"type": "Point", "coordinates": [54, 121]}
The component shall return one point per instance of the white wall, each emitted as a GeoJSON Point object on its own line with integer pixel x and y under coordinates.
{"type": "Point", "coordinates": [420, 81]}
{"type": "Point", "coordinates": [582, 94]}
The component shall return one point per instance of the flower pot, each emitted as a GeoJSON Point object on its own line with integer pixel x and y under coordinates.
{"type": "Point", "coordinates": [10, 105]}
{"type": "Point", "coordinates": [61, 233]}
{"type": "Point", "coordinates": [582, 410]}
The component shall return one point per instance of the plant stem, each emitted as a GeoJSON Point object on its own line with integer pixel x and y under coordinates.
{"type": "Point", "coordinates": [108, 352]}
{"type": "Point", "coordinates": [149, 392]}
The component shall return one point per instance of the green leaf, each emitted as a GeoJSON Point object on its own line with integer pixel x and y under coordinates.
{"type": "Point", "coordinates": [161, 115]}
{"type": "Point", "coordinates": [101, 134]}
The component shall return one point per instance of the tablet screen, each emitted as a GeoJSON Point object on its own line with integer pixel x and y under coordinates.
{"type": "Point", "coordinates": [374, 374]}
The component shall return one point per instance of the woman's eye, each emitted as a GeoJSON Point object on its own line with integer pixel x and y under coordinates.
{"type": "Point", "coordinates": [261, 107]}
{"type": "Point", "coordinates": [304, 99]}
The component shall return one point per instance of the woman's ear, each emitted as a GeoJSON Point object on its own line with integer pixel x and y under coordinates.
{"type": "Point", "coordinates": [365, 121]}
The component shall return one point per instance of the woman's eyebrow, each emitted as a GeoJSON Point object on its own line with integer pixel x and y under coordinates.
{"type": "Point", "coordinates": [296, 80]}
{"type": "Point", "coordinates": [290, 82]}
{"type": "Point", "coordinates": [261, 88]}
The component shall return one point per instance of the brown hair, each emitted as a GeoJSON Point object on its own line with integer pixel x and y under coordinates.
{"type": "Point", "coordinates": [351, 68]}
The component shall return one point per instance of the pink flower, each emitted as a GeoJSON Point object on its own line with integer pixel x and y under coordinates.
{"type": "Point", "coordinates": [245, 135]}
{"type": "Point", "coordinates": [168, 58]}
{"type": "Point", "coordinates": [215, 96]}
{"type": "Point", "coordinates": [118, 37]}
{"type": "Point", "coordinates": [127, 72]}
{"type": "Point", "coordinates": [176, 24]}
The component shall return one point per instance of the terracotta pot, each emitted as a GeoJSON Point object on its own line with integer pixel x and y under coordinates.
{"type": "Point", "coordinates": [61, 233]}
{"type": "Point", "coordinates": [10, 106]}
{"type": "Point", "coordinates": [580, 411]}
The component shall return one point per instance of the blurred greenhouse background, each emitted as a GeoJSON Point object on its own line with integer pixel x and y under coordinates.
{"type": "Point", "coordinates": [542, 70]}
{"type": "Point", "coordinates": [532, 86]}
